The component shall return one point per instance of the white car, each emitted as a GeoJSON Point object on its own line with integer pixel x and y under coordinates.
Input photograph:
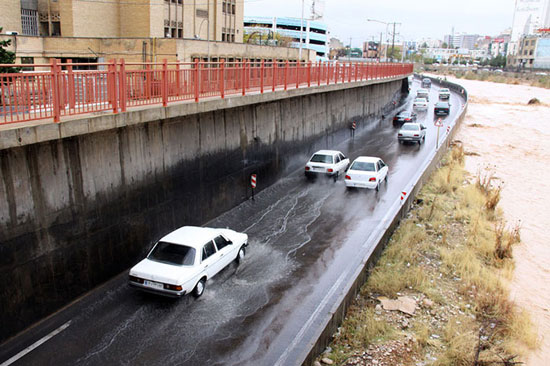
{"type": "Point", "coordinates": [420, 104]}
{"type": "Point", "coordinates": [444, 93]}
{"type": "Point", "coordinates": [182, 261]}
{"type": "Point", "coordinates": [329, 163]}
{"type": "Point", "coordinates": [423, 93]}
{"type": "Point", "coordinates": [366, 172]}
{"type": "Point", "coordinates": [413, 132]}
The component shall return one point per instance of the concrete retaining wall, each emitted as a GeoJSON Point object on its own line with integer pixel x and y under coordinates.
{"type": "Point", "coordinates": [81, 203]}
{"type": "Point", "coordinates": [337, 314]}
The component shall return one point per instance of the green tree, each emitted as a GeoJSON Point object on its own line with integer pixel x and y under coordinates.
{"type": "Point", "coordinates": [444, 45]}
{"type": "Point", "coordinates": [499, 61]}
{"type": "Point", "coordinates": [6, 57]}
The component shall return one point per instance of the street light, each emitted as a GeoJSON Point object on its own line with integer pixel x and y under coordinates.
{"type": "Point", "coordinates": [207, 37]}
{"type": "Point", "coordinates": [301, 33]}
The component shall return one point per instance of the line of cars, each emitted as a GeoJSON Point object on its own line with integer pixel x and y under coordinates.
{"type": "Point", "coordinates": [364, 172]}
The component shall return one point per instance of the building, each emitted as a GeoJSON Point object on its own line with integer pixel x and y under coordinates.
{"type": "Point", "coordinates": [372, 50]}
{"type": "Point", "coordinates": [534, 52]}
{"type": "Point", "coordinates": [462, 40]}
{"type": "Point", "coordinates": [335, 44]}
{"type": "Point", "coordinates": [218, 20]}
{"type": "Point", "coordinates": [529, 17]}
{"type": "Point", "coordinates": [314, 34]}
{"type": "Point", "coordinates": [498, 47]}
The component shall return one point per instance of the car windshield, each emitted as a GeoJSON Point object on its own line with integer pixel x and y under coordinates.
{"type": "Point", "coordinates": [408, 127]}
{"type": "Point", "coordinates": [420, 100]}
{"type": "Point", "coordinates": [363, 166]}
{"type": "Point", "coordinates": [441, 105]}
{"type": "Point", "coordinates": [320, 158]}
{"type": "Point", "coordinates": [444, 90]}
{"type": "Point", "coordinates": [170, 253]}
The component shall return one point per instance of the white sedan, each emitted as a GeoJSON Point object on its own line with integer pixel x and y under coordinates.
{"type": "Point", "coordinates": [366, 172]}
{"type": "Point", "coordinates": [420, 104]}
{"type": "Point", "coordinates": [182, 261]}
{"type": "Point", "coordinates": [329, 163]}
{"type": "Point", "coordinates": [412, 132]}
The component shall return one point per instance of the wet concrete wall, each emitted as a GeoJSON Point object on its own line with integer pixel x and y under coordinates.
{"type": "Point", "coordinates": [76, 211]}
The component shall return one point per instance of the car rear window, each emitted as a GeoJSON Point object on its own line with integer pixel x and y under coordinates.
{"type": "Point", "coordinates": [320, 158]}
{"type": "Point", "coordinates": [170, 253]}
{"type": "Point", "coordinates": [363, 166]}
{"type": "Point", "coordinates": [410, 127]}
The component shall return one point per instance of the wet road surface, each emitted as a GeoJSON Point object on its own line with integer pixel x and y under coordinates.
{"type": "Point", "coordinates": [306, 239]}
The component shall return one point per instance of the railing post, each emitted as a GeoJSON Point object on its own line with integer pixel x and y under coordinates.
{"type": "Point", "coordinates": [286, 73]}
{"type": "Point", "coordinates": [298, 73]}
{"type": "Point", "coordinates": [262, 76]}
{"type": "Point", "coordinates": [148, 84]}
{"type": "Point", "coordinates": [309, 74]}
{"type": "Point", "coordinates": [122, 86]}
{"type": "Point", "coordinates": [356, 71]}
{"type": "Point", "coordinates": [274, 66]}
{"type": "Point", "coordinates": [178, 80]}
{"type": "Point", "coordinates": [164, 82]}
{"type": "Point", "coordinates": [336, 67]}
{"type": "Point", "coordinates": [70, 77]}
{"type": "Point", "coordinates": [197, 78]}
{"type": "Point", "coordinates": [319, 70]}
{"type": "Point", "coordinates": [222, 79]}
{"type": "Point", "coordinates": [349, 72]}
{"type": "Point", "coordinates": [111, 82]}
{"type": "Point", "coordinates": [328, 73]}
{"type": "Point", "coordinates": [243, 68]}
{"type": "Point", "coordinates": [55, 86]}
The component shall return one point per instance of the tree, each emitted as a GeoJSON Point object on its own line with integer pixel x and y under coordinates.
{"type": "Point", "coordinates": [499, 61]}
{"type": "Point", "coordinates": [6, 57]}
{"type": "Point", "coordinates": [444, 45]}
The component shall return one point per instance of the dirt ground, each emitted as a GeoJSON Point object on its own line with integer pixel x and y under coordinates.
{"type": "Point", "coordinates": [504, 135]}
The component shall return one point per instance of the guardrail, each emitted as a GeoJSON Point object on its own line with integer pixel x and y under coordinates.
{"type": "Point", "coordinates": [62, 90]}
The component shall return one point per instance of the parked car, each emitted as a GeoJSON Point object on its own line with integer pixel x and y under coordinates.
{"type": "Point", "coordinates": [420, 104]}
{"type": "Point", "coordinates": [426, 83]}
{"type": "Point", "coordinates": [423, 93]}
{"type": "Point", "coordinates": [442, 109]}
{"type": "Point", "coordinates": [330, 163]}
{"type": "Point", "coordinates": [444, 94]}
{"type": "Point", "coordinates": [366, 172]}
{"type": "Point", "coordinates": [182, 261]}
{"type": "Point", "coordinates": [403, 117]}
{"type": "Point", "coordinates": [413, 132]}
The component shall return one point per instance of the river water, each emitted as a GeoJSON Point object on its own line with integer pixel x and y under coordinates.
{"type": "Point", "coordinates": [513, 142]}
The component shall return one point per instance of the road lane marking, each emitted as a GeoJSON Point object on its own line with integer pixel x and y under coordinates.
{"type": "Point", "coordinates": [36, 344]}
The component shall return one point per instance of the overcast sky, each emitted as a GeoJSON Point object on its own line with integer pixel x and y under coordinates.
{"type": "Point", "coordinates": [419, 18]}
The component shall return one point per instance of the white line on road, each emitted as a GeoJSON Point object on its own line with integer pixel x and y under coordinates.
{"type": "Point", "coordinates": [36, 344]}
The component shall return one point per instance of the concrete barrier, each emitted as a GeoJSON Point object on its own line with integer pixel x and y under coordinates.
{"type": "Point", "coordinates": [384, 231]}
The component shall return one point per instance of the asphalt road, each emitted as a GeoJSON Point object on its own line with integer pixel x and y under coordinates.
{"type": "Point", "coordinates": [306, 239]}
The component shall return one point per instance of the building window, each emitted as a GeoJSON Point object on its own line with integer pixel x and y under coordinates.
{"type": "Point", "coordinates": [233, 9]}
{"type": "Point", "coordinates": [166, 32]}
{"type": "Point", "coordinates": [56, 29]}
{"type": "Point", "coordinates": [27, 60]}
{"type": "Point", "coordinates": [223, 37]}
{"type": "Point", "coordinates": [180, 33]}
{"type": "Point", "coordinates": [29, 22]}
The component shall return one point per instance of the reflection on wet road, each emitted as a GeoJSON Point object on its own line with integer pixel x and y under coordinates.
{"type": "Point", "coordinates": [303, 236]}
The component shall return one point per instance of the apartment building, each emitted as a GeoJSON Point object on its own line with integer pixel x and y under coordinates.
{"type": "Point", "coordinates": [216, 20]}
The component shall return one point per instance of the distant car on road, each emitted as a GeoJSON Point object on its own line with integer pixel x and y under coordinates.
{"type": "Point", "coordinates": [412, 132]}
{"type": "Point", "coordinates": [404, 117]}
{"type": "Point", "coordinates": [182, 261]}
{"type": "Point", "coordinates": [366, 172]}
{"type": "Point", "coordinates": [420, 104]}
{"type": "Point", "coordinates": [426, 83]}
{"type": "Point", "coordinates": [329, 163]}
{"type": "Point", "coordinates": [444, 94]}
{"type": "Point", "coordinates": [423, 93]}
{"type": "Point", "coordinates": [442, 109]}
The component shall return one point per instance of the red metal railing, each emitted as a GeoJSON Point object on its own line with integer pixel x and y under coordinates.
{"type": "Point", "coordinates": [61, 90]}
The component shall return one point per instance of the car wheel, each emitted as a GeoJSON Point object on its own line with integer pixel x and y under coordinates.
{"type": "Point", "coordinates": [420, 142]}
{"type": "Point", "coordinates": [199, 287]}
{"type": "Point", "coordinates": [377, 187]}
{"type": "Point", "coordinates": [386, 178]}
{"type": "Point", "coordinates": [336, 176]}
{"type": "Point", "coordinates": [241, 255]}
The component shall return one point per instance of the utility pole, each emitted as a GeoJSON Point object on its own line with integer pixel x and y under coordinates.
{"type": "Point", "coordinates": [301, 33]}
{"type": "Point", "coordinates": [349, 53]}
{"type": "Point", "coordinates": [379, 47]}
{"type": "Point", "coordinates": [392, 41]}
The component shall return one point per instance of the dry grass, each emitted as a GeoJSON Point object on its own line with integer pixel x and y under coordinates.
{"type": "Point", "coordinates": [455, 250]}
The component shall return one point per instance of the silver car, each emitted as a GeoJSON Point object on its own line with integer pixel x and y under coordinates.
{"type": "Point", "coordinates": [412, 132]}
